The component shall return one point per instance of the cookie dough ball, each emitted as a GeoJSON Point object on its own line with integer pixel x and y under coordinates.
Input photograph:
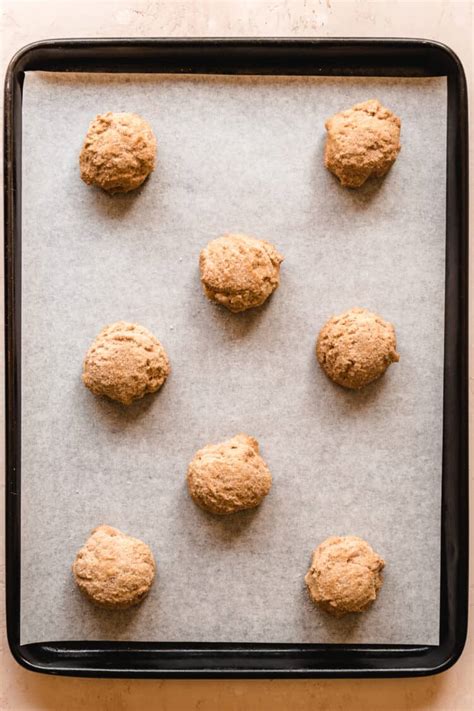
{"type": "Point", "coordinates": [356, 348]}
{"type": "Point", "coordinates": [114, 570]}
{"type": "Point", "coordinates": [239, 272]}
{"type": "Point", "coordinates": [362, 142]}
{"type": "Point", "coordinates": [345, 575]}
{"type": "Point", "coordinates": [230, 476]}
{"type": "Point", "coordinates": [125, 362]}
{"type": "Point", "coordinates": [119, 152]}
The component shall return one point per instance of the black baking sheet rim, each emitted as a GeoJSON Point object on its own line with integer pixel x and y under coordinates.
{"type": "Point", "coordinates": [320, 57]}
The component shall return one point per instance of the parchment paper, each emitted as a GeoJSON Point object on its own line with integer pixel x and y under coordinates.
{"type": "Point", "coordinates": [235, 154]}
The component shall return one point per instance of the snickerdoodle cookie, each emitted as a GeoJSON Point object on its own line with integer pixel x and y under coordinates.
{"type": "Point", "coordinates": [362, 142]}
{"type": "Point", "coordinates": [114, 570]}
{"type": "Point", "coordinates": [356, 348]}
{"type": "Point", "coordinates": [125, 362]}
{"type": "Point", "coordinates": [345, 575]}
{"type": "Point", "coordinates": [230, 476]}
{"type": "Point", "coordinates": [119, 152]}
{"type": "Point", "coordinates": [239, 271]}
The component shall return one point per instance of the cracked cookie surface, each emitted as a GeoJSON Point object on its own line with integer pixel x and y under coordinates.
{"type": "Point", "coordinates": [239, 272]}
{"type": "Point", "coordinates": [356, 347]}
{"type": "Point", "coordinates": [230, 476]}
{"type": "Point", "coordinates": [345, 575]}
{"type": "Point", "coordinates": [114, 570]}
{"type": "Point", "coordinates": [119, 152]}
{"type": "Point", "coordinates": [362, 142]}
{"type": "Point", "coordinates": [125, 362]}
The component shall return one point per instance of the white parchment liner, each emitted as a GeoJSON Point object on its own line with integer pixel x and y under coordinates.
{"type": "Point", "coordinates": [235, 154]}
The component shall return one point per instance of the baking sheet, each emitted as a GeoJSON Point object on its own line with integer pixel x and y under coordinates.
{"type": "Point", "coordinates": [235, 154]}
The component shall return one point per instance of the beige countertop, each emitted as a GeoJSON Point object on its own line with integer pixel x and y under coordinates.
{"type": "Point", "coordinates": [24, 21]}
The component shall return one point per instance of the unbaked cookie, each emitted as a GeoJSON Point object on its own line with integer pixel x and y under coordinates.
{"type": "Point", "coordinates": [125, 362]}
{"type": "Point", "coordinates": [119, 152]}
{"type": "Point", "coordinates": [345, 575]}
{"type": "Point", "coordinates": [230, 476]}
{"type": "Point", "coordinates": [239, 271]}
{"type": "Point", "coordinates": [362, 142]}
{"type": "Point", "coordinates": [114, 570]}
{"type": "Point", "coordinates": [356, 348]}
